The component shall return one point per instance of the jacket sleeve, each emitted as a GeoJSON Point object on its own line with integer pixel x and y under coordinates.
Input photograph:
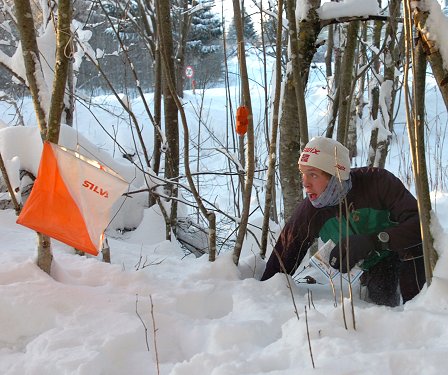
{"type": "Point", "coordinates": [292, 245]}
{"type": "Point", "coordinates": [405, 237]}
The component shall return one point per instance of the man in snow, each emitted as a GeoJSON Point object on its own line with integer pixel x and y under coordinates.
{"type": "Point", "coordinates": [369, 205]}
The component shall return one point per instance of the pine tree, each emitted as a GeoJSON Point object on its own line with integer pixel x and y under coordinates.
{"type": "Point", "coordinates": [204, 46]}
{"type": "Point", "coordinates": [205, 32]}
{"type": "Point", "coordinates": [250, 34]}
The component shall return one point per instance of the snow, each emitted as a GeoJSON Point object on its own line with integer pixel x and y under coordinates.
{"type": "Point", "coordinates": [210, 318]}
{"type": "Point", "coordinates": [436, 24]}
{"type": "Point", "coordinates": [155, 310]}
{"type": "Point", "coordinates": [348, 8]}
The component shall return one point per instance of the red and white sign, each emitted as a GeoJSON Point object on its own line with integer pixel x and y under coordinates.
{"type": "Point", "coordinates": [189, 71]}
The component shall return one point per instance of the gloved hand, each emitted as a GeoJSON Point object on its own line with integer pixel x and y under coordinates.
{"type": "Point", "coordinates": [359, 247]}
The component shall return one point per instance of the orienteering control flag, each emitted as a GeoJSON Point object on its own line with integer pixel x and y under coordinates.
{"type": "Point", "coordinates": [72, 198]}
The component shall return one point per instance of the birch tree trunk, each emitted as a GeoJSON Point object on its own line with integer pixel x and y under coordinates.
{"type": "Point", "coordinates": [374, 86]}
{"type": "Point", "coordinates": [358, 91]}
{"type": "Point", "coordinates": [379, 146]}
{"type": "Point", "coordinates": [334, 80]}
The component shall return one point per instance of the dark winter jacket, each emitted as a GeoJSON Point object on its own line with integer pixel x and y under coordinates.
{"type": "Point", "coordinates": [378, 201]}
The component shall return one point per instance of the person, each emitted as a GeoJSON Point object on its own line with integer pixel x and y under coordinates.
{"type": "Point", "coordinates": [367, 212]}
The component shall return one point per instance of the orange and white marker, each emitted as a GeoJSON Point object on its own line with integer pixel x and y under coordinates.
{"type": "Point", "coordinates": [72, 198]}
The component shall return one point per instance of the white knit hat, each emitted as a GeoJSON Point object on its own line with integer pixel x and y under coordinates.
{"type": "Point", "coordinates": [328, 155]}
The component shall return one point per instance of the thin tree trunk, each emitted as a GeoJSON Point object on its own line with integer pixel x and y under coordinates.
{"type": "Point", "coordinates": [329, 52]}
{"type": "Point", "coordinates": [273, 208]}
{"type": "Point", "coordinates": [375, 95]}
{"type": "Point", "coordinates": [139, 89]}
{"type": "Point", "coordinates": [157, 152]}
{"type": "Point", "coordinates": [171, 87]}
{"type": "Point", "coordinates": [185, 24]}
{"type": "Point", "coordinates": [294, 123]}
{"type": "Point", "coordinates": [358, 103]}
{"type": "Point", "coordinates": [63, 56]}
{"type": "Point", "coordinates": [299, 86]}
{"type": "Point", "coordinates": [25, 24]}
{"type": "Point", "coordinates": [250, 168]}
{"type": "Point", "coordinates": [333, 84]}
{"type": "Point", "coordinates": [415, 124]}
{"type": "Point", "coordinates": [389, 87]}
{"type": "Point", "coordinates": [170, 107]}
{"type": "Point", "coordinates": [49, 131]}
{"type": "Point", "coordinates": [346, 82]}
{"type": "Point", "coordinates": [303, 48]}
{"type": "Point", "coordinates": [16, 204]}
{"type": "Point", "coordinates": [146, 9]}
{"type": "Point", "coordinates": [209, 215]}
{"type": "Point", "coordinates": [230, 122]}
{"type": "Point", "coordinates": [420, 172]}
{"type": "Point", "coordinates": [44, 253]}
{"type": "Point", "coordinates": [69, 107]}
{"type": "Point", "coordinates": [432, 53]}
{"type": "Point", "coordinates": [289, 148]}
{"type": "Point", "coordinates": [273, 143]}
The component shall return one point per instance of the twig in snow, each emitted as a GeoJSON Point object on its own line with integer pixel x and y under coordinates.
{"type": "Point", "coordinates": [309, 340]}
{"type": "Point", "coordinates": [154, 330]}
{"type": "Point", "coordinates": [143, 323]}
{"type": "Point", "coordinates": [310, 300]}
{"type": "Point", "coordinates": [283, 268]}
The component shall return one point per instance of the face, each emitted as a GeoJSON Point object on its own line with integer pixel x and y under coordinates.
{"type": "Point", "coordinates": [314, 181]}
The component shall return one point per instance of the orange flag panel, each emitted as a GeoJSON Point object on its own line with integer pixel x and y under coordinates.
{"type": "Point", "coordinates": [64, 204]}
